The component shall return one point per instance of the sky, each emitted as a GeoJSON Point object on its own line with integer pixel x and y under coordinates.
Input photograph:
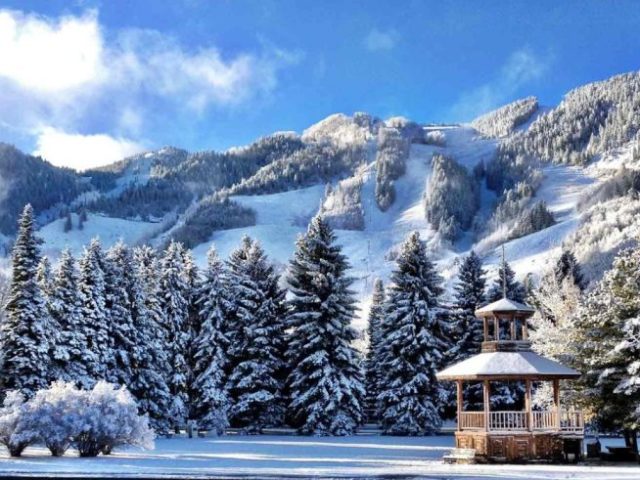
{"type": "Point", "coordinates": [85, 83]}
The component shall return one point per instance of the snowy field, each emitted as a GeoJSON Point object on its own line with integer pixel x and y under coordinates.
{"type": "Point", "coordinates": [290, 456]}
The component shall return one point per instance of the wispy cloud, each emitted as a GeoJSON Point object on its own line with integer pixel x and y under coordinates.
{"type": "Point", "coordinates": [67, 72]}
{"type": "Point", "coordinates": [381, 40]}
{"type": "Point", "coordinates": [521, 68]}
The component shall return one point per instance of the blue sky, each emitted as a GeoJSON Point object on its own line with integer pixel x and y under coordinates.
{"type": "Point", "coordinates": [85, 82]}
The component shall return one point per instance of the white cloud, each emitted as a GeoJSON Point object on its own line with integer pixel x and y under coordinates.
{"type": "Point", "coordinates": [82, 152]}
{"type": "Point", "coordinates": [50, 56]}
{"type": "Point", "coordinates": [71, 74]}
{"type": "Point", "coordinates": [381, 41]}
{"type": "Point", "coordinates": [521, 68]}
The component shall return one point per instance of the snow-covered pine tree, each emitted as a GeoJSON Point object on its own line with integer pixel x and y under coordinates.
{"type": "Point", "coordinates": [118, 286]}
{"type": "Point", "coordinates": [71, 354]}
{"type": "Point", "coordinates": [43, 275]}
{"type": "Point", "coordinates": [210, 402]}
{"type": "Point", "coordinates": [148, 382]}
{"type": "Point", "coordinates": [192, 278]}
{"type": "Point", "coordinates": [234, 331]}
{"type": "Point", "coordinates": [174, 303]}
{"type": "Point", "coordinates": [607, 346]}
{"type": "Point", "coordinates": [45, 282]}
{"type": "Point", "coordinates": [326, 382]}
{"type": "Point", "coordinates": [567, 266]}
{"type": "Point", "coordinates": [469, 295]}
{"type": "Point", "coordinates": [514, 289]}
{"type": "Point", "coordinates": [372, 371]}
{"type": "Point", "coordinates": [24, 344]}
{"type": "Point", "coordinates": [256, 384]}
{"type": "Point", "coordinates": [466, 329]}
{"type": "Point", "coordinates": [96, 320]}
{"type": "Point", "coordinates": [412, 346]}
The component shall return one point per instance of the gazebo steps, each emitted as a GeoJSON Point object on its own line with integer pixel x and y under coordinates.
{"type": "Point", "coordinates": [463, 456]}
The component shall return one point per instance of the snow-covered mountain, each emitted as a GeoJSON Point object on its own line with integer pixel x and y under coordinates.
{"type": "Point", "coordinates": [534, 179]}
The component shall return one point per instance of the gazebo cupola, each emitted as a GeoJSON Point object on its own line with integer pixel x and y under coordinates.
{"type": "Point", "coordinates": [506, 356]}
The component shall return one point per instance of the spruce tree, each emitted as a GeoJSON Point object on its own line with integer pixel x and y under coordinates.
{"type": "Point", "coordinates": [607, 346]}
{"type": "Point", "coordinates": [119, 283]}
{"type": "Point", "coordinates": [412, 346]}
{"type": "Point", "coordinates": [210, 403]}
{"type": "Point", "coordinates": [71, 354]}
{"type": "Point", "coordinates": [326, 382]}
{"type": "Point", "coordinates": [92, 291]}
{"type": "Point", "coordinates": [567, 266]}
{"type": "Point", "coordinates": [174, 303]}
{"type": "Point", "coordinates": [150, 362]}
{"type": "Point", "coordinates": [514, 289]}
{"type": "Point", "coordinates": [469, 295]}
{"type": "Point", "coordinates": [376, 315]}
{"type": "Point", "coordinates": [255, 384]}
{"type": "Point", "coordinates": [24, 344]}
{"type": "Point", "coordinates": [466, 330]}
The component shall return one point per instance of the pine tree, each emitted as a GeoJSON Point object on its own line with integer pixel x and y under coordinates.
{"type": "Point", "coordinates": [119, 283]}
{"type": "Point", "coordinates": [376, 316]}
{"type": "Point", "coordinates": [93, 310]}
{"type": "Point", "coordinates": [568, 267]}
{"type": "Point", "coordinates": [469, 295]}
{"type": "Point", "coordinates": [211, 401]}
{"type": "Point", "coordinates": [412, 346]}
{"type": "Point", "coordinates": [150, 367]}
{"type": "Point", "coordinates": [174, 302]}
{"type": "Point", "coordinates": [325, 383]}
{"type": "Point", "coordinates": [23, 335]}
{"type": "Point", "coordinates": [514, 290]}
{"type": "Point", "coordinates": [255, 384]}
{"type": "Point", "coordinates": [71, 354]}
{"type": "Point", "coordinates": [606, 342]}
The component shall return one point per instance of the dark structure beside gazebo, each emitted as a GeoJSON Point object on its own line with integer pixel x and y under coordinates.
{"type": "Point", "coordinates": [506, 356]}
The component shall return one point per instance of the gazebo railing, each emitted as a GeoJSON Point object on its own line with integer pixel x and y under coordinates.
{"type": "Point", "coordinates": [472, 421]}
{"type": "Point", "coordinates": [507, 420]}
{"type": "Point", "coordinates": [571, 421]}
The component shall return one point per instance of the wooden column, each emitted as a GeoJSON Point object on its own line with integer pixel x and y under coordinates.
{"type": "Point", "coordinates": [486, 403]}
{"type": "Point", "coordinates": [556, 401]}
{"type": "Point", "coordinates": [525, 331]}
{"type": "Point", "coordinates": [513, 327]}
{"type": "Point", "coordinates": [527, 404]}
{"type": "Point", "coordinates": [485, 324]}
{"type": "Point", "coordinates": [496, 328]}
{"type": "Point", "coordinates": [460, 404]}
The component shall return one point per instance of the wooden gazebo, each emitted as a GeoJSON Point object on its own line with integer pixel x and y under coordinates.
{"type": "Point", "coordinates": [506, 356]}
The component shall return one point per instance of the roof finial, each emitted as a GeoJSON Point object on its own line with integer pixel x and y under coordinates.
{"type": "Point", "coordinates": [504, 274]}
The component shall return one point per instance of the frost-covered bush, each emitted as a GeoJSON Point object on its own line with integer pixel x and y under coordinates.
{"type": "Point", "coordinates": [109, 418]}
{"type": "Point", "coordinates": [14, 434]}
{"type": "Point", "coordinates": [62, 415]}
{"type": "Point", "coordinates": [624, 182]}
{"type": "Point", "coordinates": [55, 415]}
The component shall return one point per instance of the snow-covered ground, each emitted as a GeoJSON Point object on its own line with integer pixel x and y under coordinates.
{"type": "Point", "coordinates": [109, 230]}
{"type": "Point", "coordinates": [291, 456]}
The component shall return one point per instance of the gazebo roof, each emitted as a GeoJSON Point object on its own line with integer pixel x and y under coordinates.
{"type": "Point", "coordinates": [504, 305]}
{"type": "Point", "coordinates": [506, 366]}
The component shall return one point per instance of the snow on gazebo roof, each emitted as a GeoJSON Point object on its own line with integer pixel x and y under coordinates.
{"type": "Point", "coordinates": [506, 365]}
{"type": "Point", "coordinates": [504, 305]}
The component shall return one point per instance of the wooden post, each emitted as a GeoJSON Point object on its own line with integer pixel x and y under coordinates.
{"type": "Point", "coordinates": [525, 331]}
{"type": "Point", "coordinates": [460, 404]}
{"type": "Point", "coordinates": [486, 404]}
{"type": "Point", "coordinates": [496, 328]}
{"type": "Point", "coordinates": [556, 401]}
{"type": "Point", "coordinates": [486, 328]}
{"type": "Point", "coordinates": [513, 327]}
{"type": "Point", "coordinates": [527, 404]}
